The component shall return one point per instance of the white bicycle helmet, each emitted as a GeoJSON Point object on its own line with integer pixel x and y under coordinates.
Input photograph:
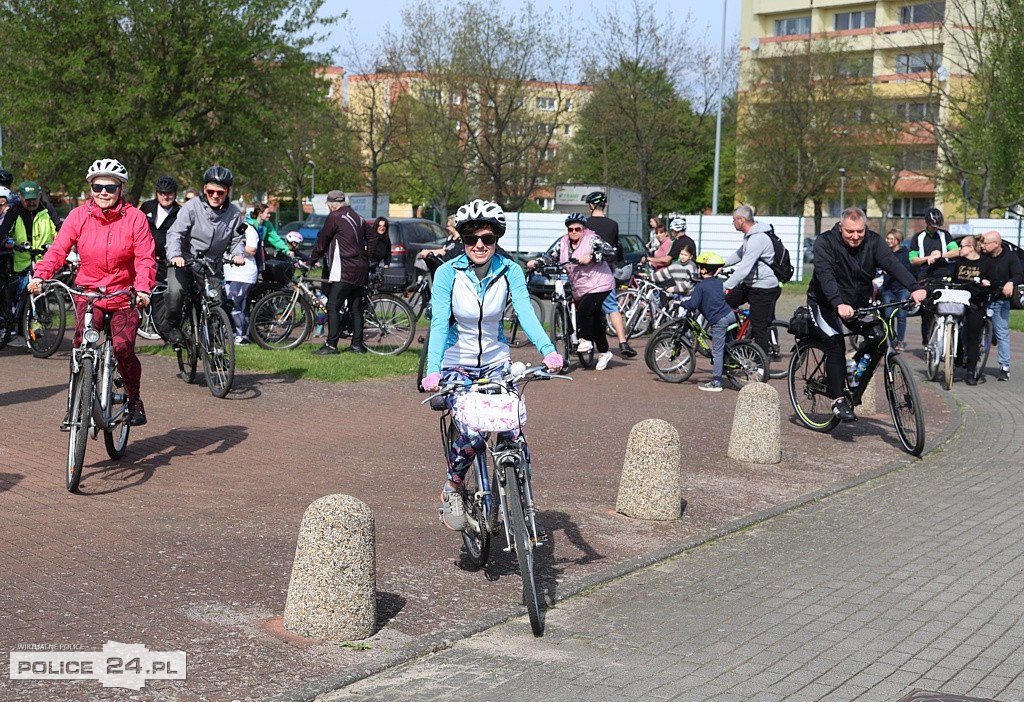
{"type": "Point", "coordinates": [107, 167]}
{"type": "Point", "coordinates": [678, 224]}
{"type": "Point", "coordinates": [293, 238]}
{"type": "Point", "coordinates": [480, 212]}
{"type": "Point", "coordinates": [5, 192]}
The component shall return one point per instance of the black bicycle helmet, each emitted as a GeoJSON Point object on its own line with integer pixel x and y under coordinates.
{"type": "Point", "coordinates": [596, 198]}
{"type": "Point", "coordinates": [575, 218]}
{"type": "Point", "coordinates": [6, 178]}
{"type": "Point", "coordinates": [933, 217]}
{"type": "Point", "coordinates": [219, 175]}
{"type": "Point", "coordinates": [166, 184]}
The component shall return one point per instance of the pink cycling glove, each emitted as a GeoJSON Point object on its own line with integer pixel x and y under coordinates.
{"type": "Point", "coordinates": [431, 382]}
{"type": "Point", "coordinates": [554, 361]}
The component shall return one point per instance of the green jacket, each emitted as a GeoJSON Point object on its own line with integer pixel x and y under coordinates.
{"type": "Point", "coordinates": [44, 231]}
{"type": "Point", "coordinates": [270, 236]}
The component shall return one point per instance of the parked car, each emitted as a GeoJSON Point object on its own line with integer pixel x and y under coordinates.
{"type": "Point", "coordinates": [633, 250]}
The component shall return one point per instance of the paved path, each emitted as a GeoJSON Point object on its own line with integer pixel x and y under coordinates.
{"type": "Point", "coordinates": [911, 581]}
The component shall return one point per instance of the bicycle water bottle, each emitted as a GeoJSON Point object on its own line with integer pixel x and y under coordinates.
{"type": "Point", "coordinates": [859, 370]}
{"type": "Point", "coordinates": [851, 371]}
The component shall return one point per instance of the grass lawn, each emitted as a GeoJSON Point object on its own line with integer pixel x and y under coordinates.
{"type": "Point", "coordinates": [301, 363]}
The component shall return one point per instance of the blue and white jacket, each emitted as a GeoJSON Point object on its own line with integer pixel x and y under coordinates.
{"type": "Point", "coordinates": [465, 315]}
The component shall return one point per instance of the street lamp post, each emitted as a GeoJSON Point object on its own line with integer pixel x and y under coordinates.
{"type": "Point", "coordinates": [842, 190]}
{"type": "Point", "coordinates": [312, 182]}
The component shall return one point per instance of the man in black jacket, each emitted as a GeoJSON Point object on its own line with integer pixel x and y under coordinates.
{"type": "Point", "coordinates": [845, 260]}
{"type": "Point", "coordinates": [1001, 268]}
{"type": "Point", "coordinates": [161, 213]}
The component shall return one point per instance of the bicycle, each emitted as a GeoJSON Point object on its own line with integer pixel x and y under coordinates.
{"type": "Point", "coordinates": [42, 318]}
{"type": "Point", "coordinates": [944, 338]}
{"type": "Point", "coordinates": [671, 353]}
{"type": "Point", "coordinates": [96, 396]}
{"type": "Point", "coordinates": [808, 386]}
{"type": "Point", "coordinates": [495, 406]}
{"type": "Point", "coordinates": [147, 327]}
{"type": "Point", "coordinates": [284, 319]}
{"type": "Point", "coordinates": [206, 330]}
{"type": "Point", "coordinates": [563, 318]}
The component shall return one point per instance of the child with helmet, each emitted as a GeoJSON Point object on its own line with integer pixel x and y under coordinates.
{"type": "Point", "coordinates": [708, 296]}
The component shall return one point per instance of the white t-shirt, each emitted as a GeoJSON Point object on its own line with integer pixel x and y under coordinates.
{"type": "Point", "coordinates": [249, 272]}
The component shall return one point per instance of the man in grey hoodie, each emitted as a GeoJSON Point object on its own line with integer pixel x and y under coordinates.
{"type": "Point", "coordinates": [753, 280]}
{"type": "Point", "coordinates": [208, 226]}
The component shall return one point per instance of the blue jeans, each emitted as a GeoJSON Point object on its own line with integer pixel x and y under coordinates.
{"type": "Point", "coordinates": [237, 293]}
{"type": "Point", "coordinates": [1001, 330]}
{"type": "Point", "coordinates": [719, 332]}
{"type": "Point", "coordinates": [901, 315]}
{"type": "Point", "coordinates": [611, 303]}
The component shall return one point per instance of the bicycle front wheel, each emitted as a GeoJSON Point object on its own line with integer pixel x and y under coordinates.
{"type": "Point", "coordinates": [932, 350]}
{"type": "Point", "coordinates": [904, 405]}
{"type": "Point", "coordinates": [475, 536]}
{"type": "Point", "coordinates": [188, 356]}
{"type": "Point", "coordinates": [560, 335]}
{"type": "Point", "coordinates": [986, 346]}
{"type": "Point", "coordinates": [669, 356]}
{"type": "Point", "coordinates": [524, 547]}
{"type": "Point", "coordinates": [281, 320]}
{"type": "Point", "coordinates": [43, 321]}
{"type": "Point", "coordinates": [219, 353]}
{"type": "Point", "coordinates": [948, 352]}
{"type": "Point", "coordinates": [79, 421]}
{"type": "Point", "coordinates": [744, 363]}
{"type": "Point", "coordinates": [115, 437]}
{"type": "Point", "coordinates": [147, 327]}
{"type": "Point", "coordinates": [388, 325]}
{"type": "Point", "coordinates": [808, 387]}
{"type": "Point", "coordinates": [781, 345]}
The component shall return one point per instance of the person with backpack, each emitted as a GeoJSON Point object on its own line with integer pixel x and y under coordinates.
{"type": "Point", "coordinates": [931, 251]}
{"type": "Point", "coordinates": [753, 280]}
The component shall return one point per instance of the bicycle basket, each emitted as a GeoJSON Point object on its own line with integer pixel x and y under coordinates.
{"type": "Point", "coordinates": [482, 412]}
{"type": "Point", "coordinates": [278, 271]}
{"type": "Point", "coordinates": [952, 302]}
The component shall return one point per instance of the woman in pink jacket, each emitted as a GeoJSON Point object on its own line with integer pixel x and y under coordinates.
{"type": "Point", "coordinates": [116, 252]}
{"type": "Point", "coordinates": [591, 280]}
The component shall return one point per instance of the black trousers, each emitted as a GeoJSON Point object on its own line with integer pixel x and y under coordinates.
{"type": "Point", "coordinates": [590, 319]}
{"type": "Point", "coordinates": [337, 295]}
{"type": "Point", "coordinates": [835, 346]}
{"type": "Point", "coordinates": [762, 309]}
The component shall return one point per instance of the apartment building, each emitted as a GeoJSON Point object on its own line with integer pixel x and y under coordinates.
{"type": "Point", "coordinates": [902, 48]}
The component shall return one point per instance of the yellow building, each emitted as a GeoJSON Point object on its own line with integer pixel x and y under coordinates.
{"type": "Point", "coordinates": [904, 49]}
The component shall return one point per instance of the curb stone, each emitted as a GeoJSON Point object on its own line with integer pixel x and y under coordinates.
{"type": "Point", "coordinates": [436, 642]}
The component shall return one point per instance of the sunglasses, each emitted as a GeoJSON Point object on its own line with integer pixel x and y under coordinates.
{"type": "Point", "coordinates": [213, 192]}
{"type": "Point", "coordinates": [575, 229]}
{"type": "Point", "coordinates": [487, 239]}
{"type": "Point", "coordinates": [110, 188]}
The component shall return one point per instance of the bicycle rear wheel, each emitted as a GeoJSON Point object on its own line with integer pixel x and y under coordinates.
{"type": "Point", "coordinates": [948, 352]}
{"type": "Point", "coordinates": [219, 353]}
{"type": "Point", "coordinates": [477, 539]}
{"type": "Point", "coordinates": [744, 363]}
{"type": "Point", "coordinates": [669, 356]}
{"type": "Point", "coordinates": [188, 356]}
{"type": "Point", "coordinates": [524, 547]}
{"type": "Point", "coordinates": [43, 322]}
{"type": "Point", "coordinates": [281, 320]}
{"type": "Point", "coordinates": [904, 405]}
{"type": "Point", "coordinates": [510, 320]}
{"type": "Point", "coordinates": [986, 346]}
{"type": "Point", "coordinates": [781, 345]}
{"type": "Point", "coordinates": [932, 350]}
{"type": "Point", "coordinates": [147, 327]}
{"type": "Point", "coordinates": [560, 335]}
{"type": "Point", "coordinates": [116, 437]}
{"type": "Point", "coordinates": [79, 422]}
{"type": "Point", "coordinates": [808, 388]}
{"type": "Point", "coordinates": [388, 325]}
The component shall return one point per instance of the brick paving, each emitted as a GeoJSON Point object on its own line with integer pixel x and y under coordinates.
{"type": "Point", "coordinates": [187, 543]}
{"type": "Point", "coordinates": [911, 581]}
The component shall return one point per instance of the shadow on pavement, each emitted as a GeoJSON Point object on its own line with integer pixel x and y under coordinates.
{"type": "Point", "coordinates": [248, 386]}
{"type": "Point", "coordinates": [389, 605]}
{"type": "Point", "coordinates": [9, 480]}
{"type": "Point", "coordinates": [157, 452]}
{"type": "Point", "coordinates": [15, 397]}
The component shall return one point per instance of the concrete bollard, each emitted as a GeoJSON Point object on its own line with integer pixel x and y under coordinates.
{"type": "Point", "coordinates": [756, 425]}
{"type": "Point", "coordinates": [869, 400]}
{"type": "Point", "coordinates": [650, 487]}
{"type": "Point", "coordinates": [332, 594]}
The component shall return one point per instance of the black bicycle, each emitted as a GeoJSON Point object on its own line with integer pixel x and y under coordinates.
{"type": "Point", "coordinates": [206, 330]}
{"type": "Point", "coordinates": [808, 386]}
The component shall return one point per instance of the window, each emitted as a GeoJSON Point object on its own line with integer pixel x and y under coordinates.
{"type": "Point", "coordinates": [920, 62]}
{"type": "Point", "coordinates": [854, 20]}
{"type": "Point", "coordinates": [547, 104]}
{"type": "Point", "coordinates": [917, 111]}
{"type": "Point", "coordinates": [920, 159]}
{"type": "Point", "coordinates": [918, 14]}
{"type": "Point", "coordinates": [855, 67]}
{"type": "Point", "coordinates": [793, 25]}
{"type": "Point", "coordinates": [911, 206]}
{"type": "Point", "coordinates": [545, 203]}
{"type": "Point", "coordinates": [456, 98]}
{"type": "Point", "coordinates": [546, 129]}
{"type": "Point", "coordinates": [568, 130]}
{"type": "Point", "coordinates": [568, 105]}
{"type": "Point", "coordinates": [549, 155]}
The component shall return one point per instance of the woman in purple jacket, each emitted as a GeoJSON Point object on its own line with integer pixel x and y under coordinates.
{"type": "Point", "coordinates": [590, 278]}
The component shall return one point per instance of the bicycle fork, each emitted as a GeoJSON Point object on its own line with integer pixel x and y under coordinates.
{"type": "Point", "coordinates": [513, 462]}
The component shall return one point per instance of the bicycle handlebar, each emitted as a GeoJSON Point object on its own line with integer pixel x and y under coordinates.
{"type": "Point", "coordinates": [79, 291]}
{"type": "Point", "coordinates": [518, 373]}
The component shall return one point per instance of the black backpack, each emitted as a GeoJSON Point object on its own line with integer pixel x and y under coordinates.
{"type": "Point", "coordinates": [781, 264]}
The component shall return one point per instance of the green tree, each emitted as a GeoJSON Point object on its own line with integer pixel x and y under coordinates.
{"type": "Point", "coordinates": [163, 86]}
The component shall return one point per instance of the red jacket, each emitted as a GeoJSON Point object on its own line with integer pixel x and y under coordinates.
{"type": "Point", "coordinates": [115, 247]}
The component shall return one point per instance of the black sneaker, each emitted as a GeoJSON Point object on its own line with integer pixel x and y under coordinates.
{"type": "Point", "coordinates": [357, 348]}
{"type": "Point", "coordinates": [626, 350]}
{"type": "Point", "coordinates": [842, 409]}
{"type": "Point", "coordinates": [136, 412]}
{"type": "Point", "coordinates": [970, 379]}
{"type": "Point", "coordinates": [174, 337]}
{"type": "Point", "coordinates": [1004, 374]}
{"type": "Point", "coordinates": [326, 350]}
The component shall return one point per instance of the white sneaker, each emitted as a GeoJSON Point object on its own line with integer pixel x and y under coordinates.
{"type": "Point", "coordinates": [584, 346]}
{"type": "Point", "coordinates": [602, 360]}
{"type": "Point", "coordinates": [16, 342]}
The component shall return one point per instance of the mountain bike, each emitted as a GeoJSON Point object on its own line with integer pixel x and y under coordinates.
{"type": "Point", "coordinates": [206, 330]}
{"type": "Point", "coordinates": [503, 498]}
{"type": "Point", "coordinates": [671, 353]}
{"type": "Point", "coordinates": [284, 319]}
{"type": "Point", "coordinates": [96, 395]}
{"type": "Point", "coordinates": [41, 319]}
{"type": "Point", "coordinates": [808, 385]}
